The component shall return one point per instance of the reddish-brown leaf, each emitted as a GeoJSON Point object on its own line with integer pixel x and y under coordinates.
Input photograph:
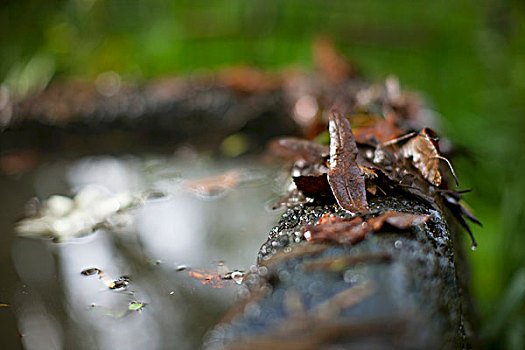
{"type": "Point", "coordinates": [313, 185]}
{"type": "Point", "coordinates": [344, 177]}
{"type": "Point", "coordinates": [373, 129]}
{"type": "Point", "coordinates": [208, 277]}
{"type": "Point", "coordinates": [340, 231]}
{"type": "Point", "coordinates": [351, 231]}
{"type": "Point", "coordinates": [401, 221]}
{"type": "Point", "coordinates": [329, 218]}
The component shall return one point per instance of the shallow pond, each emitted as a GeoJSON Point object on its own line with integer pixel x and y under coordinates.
{"type": "Point", "coordinates": [167, 249]}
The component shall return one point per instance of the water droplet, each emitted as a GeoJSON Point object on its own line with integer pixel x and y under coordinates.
{"type": "Point", "coordinates": [308, 235]}
{"type": "Point", "coordinates": [237, 277]}
{"type": "Point", "coordinates": [284, 276]}
{"type": "Point", "coordinates": [263, 270]}
{"type": "Point", "coordinates": [474, 247]}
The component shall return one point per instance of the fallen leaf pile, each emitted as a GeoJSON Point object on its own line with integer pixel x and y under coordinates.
{"type": "Point", "coordinates": [371, 153]}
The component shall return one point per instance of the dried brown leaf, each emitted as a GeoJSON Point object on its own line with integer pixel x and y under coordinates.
{"type": "Point", "coordinates": [340, 231]}
{"type": "Point", "coordinates": [425, 156]}
{"type": "Point", "coordinates": [344, 177]}
{"type": "Point", "coordinates": [423, 149]}
{"type": "Point", "coordinates": [351, 231]}
{"type": "Point", "coordinates": [313, 185]}
{"type": "Point", "coordinates": [401, 221]}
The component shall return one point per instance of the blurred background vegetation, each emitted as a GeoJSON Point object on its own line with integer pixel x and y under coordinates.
{"type": "Point", "coordinates": [466, 57]}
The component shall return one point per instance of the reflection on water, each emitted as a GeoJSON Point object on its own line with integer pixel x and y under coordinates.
{"type": "Point", "coordinates": [175, 225]}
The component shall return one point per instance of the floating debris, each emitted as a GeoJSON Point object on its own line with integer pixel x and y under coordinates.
{"type": "Point", "coordinates": [121, 283]}
{"type": "Point", "coordinates": [91, 271]}
{"type": "Point", "coordinates": [217, 279]}
{"type": "Point", "coordinates": [118, 284]}
{"type": "Point", "coordinates": [207, 277]}
{"type": "Point", "coordinates": [237, 276]}
{"type": "Point", "coordinates": [136, 306]}
{"type": "Point", "coordinates": [181, 267]}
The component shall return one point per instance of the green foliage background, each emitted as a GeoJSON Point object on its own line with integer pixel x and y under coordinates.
{"type": "Point", "coordinates": [467, 57]}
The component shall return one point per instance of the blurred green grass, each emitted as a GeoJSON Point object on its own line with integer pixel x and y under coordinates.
{"type": "Point", "coordinates": [466, 57]}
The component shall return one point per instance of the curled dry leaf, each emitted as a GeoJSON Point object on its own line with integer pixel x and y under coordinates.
{"type": "Point", "coordinates": [425, 156]}
{"type": "Point", "coordinates": [344, 177]}
{"type": "Point", "coordinates": [423, 149]}
{"type": "Point", "coordinates": [351, 231]}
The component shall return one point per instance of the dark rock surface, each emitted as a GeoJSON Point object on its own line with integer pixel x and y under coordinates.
{"type": "Point", "coordinates": [393, 290]}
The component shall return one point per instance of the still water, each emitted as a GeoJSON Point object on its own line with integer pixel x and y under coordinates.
{"type": "Point", "coordinates": [178, 224]}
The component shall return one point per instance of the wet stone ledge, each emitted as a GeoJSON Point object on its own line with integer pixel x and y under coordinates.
{"type": "Point", "coordinates": [393, 290]}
